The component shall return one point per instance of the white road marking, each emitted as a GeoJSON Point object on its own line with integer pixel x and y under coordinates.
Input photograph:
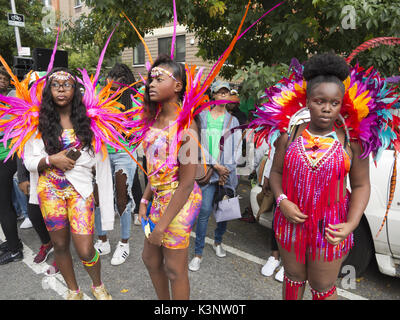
{"type": "Point", "coordinates": [250, 257]}
{"type": "Point", "coordinates": [56, 283]}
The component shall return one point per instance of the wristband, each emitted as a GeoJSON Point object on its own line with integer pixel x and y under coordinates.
{"type": "Point", "coordinates": [48, 161]}
{"type": "Point", "coordinates": [280, 198]}
{"type": "Point", "coordinates": [145, 201]}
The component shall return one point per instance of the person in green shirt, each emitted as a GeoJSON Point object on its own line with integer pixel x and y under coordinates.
{"type": "Point", "coordinates": [214, 124]}
{"type": "Point", "coordinates": [123, 168]}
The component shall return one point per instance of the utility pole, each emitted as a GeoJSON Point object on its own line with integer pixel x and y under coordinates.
{"type": "Point", "coordinates": [17, 37]}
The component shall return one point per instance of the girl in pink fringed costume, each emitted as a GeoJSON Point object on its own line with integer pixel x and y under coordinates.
{"type": "Point", "coordinates": [316, 216]}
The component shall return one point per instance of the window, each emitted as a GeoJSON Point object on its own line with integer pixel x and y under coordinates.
{"type": "Point", "coordinates": [78, 3]}
{"type": "Point", "coordinates": [46, 3]}
{"type": "Point", "coordinates": [138, 54]}
{"type": "Point", "coordinates": [164, 46]}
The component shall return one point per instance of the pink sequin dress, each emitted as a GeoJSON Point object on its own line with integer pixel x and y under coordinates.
{"type": "Point", "coordinates": [314, 173]}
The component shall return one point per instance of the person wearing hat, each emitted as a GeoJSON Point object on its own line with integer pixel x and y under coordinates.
{"type": "Point", "coordinates": [214, 124]}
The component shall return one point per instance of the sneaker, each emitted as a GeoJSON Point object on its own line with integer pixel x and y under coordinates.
{"type": "Point", "coordinates": [136, 220]}
{"type": "Point", "coordinates": [269, 268]}
{"type": "Point", "coordinates": [74, 295]}
{"type": "Point", "coordinates": [120, 254]}
{"type": "Point", "coordinates": [101, 293]}
{"type": "Point", "coordinates": [219, 251]}
{"type": "Point", "coordinates": [44, 252]}
{"type": "Point", "coordinates": [52, 270]}
{"type": "Point", "coordinates": [26, 224]}
{"type": "Point", "coordinates": [279, 275]}
{"type": "Point", "coordinates": [102, 247]}
{"type": "Point", "coordinates": [8, 257]}
{"type": "Point", "coordinates": [4, 246]}
{"type": "Point", "coordinates": [194, 265]}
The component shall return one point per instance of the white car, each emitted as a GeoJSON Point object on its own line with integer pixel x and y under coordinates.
{"type": "Point", "coordinates": [386, 246]}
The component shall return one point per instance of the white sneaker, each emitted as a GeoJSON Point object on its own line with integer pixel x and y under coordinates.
{"type": "Point", "coordinates": [194, 265]}
{"type": "Point", "coordinates": [136, 220]}
{"type": "Point", "coordinates": [279, 275]}
{"type": "Point", "coordinates": [219, 251]}
{"type": "Point", "coordinates": [269, 268]}
{"type": "Point", "coordinates": [120, 254]}
{"type": "Point", "coordinates": [102, 247]}
{"type": "Point", "coordinates": [26, 224]}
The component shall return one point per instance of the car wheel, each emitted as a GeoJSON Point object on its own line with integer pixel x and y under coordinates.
{"type": "Point", "coordinates": [362, 252]}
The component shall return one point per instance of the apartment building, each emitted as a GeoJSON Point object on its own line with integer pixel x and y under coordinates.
{"type": "Point", "coordinates": [159, 41]}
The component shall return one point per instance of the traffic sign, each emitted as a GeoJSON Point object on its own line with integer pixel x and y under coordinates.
{"type": "Point", "coordinates": [16, 20]}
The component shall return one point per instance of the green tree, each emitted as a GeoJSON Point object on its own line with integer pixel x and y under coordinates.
{"type": "Point", "coordinates": [297, 28]}
{"type": "Point", "coordinates": [32, 35]}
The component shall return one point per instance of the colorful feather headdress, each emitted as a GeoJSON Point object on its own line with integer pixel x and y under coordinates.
{"type": "Point", "coordinates": [366, 110]}
{"type": "Point", "coordinates": [19, 116]}
{"type": "Point", "coordinates": [195, 99]}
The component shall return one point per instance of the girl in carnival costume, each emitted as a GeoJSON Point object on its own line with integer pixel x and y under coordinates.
{"type": "Point", "coordinates": [46, 123]}
{"type": "Point", "coordinates": [63, 185]}
{"type": "Point", "coordinates": [176, 196]}
{"type": "Point", "coordinates": [174, 97]}
{"type": "Point", "coordinates": [344, 117]}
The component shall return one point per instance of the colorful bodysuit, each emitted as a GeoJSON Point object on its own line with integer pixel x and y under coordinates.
{"type": "Point", "coordinates": [164, 182]}
{"type": "Point", "coordinates": [60, 203]}
{"type": "Point", "coordinates": [314, 175]}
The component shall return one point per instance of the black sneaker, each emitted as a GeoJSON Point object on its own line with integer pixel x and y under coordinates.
{"type": "Point", "coordinates": [4, 246]}
{"type": "Point", "coordinates": [8, 257]}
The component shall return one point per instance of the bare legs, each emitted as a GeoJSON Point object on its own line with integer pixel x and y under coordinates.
{"type": "Point", "coordinates": [167, 267]}
{"type": "Point", "coordinates": [321, 275]}
{"type": "Point", "coordinates": [84, 247]}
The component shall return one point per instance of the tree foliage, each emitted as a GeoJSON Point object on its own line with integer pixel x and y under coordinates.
{"type": "Point", "coordinates": [297, 28]}
{"type": "Point", "coordinates": [32, 35]}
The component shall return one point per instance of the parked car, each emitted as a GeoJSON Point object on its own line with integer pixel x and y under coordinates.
{"type": "Point", "coordinates": [386, 246]}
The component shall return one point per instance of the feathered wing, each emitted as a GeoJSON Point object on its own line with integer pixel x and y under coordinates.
{"type": "Point", "coordinates": [195, 98]}
{"type": "Point", "coordinates": [19, 116]}
{"type": "Point", "coordinates": [366, 111]}
{"type": "Point", "coordinates": [108, 120]}
{"type": "Point", "coordinates": [283, 102]}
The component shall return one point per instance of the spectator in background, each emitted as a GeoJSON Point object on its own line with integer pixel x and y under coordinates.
{"type": "Point", "coordinates": [4, 81]}
{"type": "Point", "coordinates": [214, 124]}
{"type": "Point", "coordinates": [11, 249]}
{"type": "Point", "coordinates": [123, 169]}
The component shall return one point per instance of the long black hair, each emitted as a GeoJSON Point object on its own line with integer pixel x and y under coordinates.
{"type": "Point", "coordinates": [49, 119]}
{"type": "Point", "coordinates": [122, 74]}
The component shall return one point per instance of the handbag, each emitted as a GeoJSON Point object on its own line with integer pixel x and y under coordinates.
{"type": "Point", "coordinates": [226, 205]}
{"type": "Point", "coordinates": [203, 175]}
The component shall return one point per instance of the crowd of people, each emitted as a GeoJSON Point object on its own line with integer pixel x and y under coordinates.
{"type": "Point", "coordinates": [73, 195]}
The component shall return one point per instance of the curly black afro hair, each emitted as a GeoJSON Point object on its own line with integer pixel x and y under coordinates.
{"type": "Point", "coordinates": [326, 67]}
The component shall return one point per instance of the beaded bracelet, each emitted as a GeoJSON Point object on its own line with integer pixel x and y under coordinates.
{"type": "Point", "coordinates": [145, 201]}
{"type": "Point", "coordinates": [280, 198]}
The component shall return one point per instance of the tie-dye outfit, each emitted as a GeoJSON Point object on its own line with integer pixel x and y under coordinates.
{"type": "Point", "coordinates": [60, 203]}
{"type": "Point", "coordinates": [164, 183]}
{"type": "Point", "coordinates": [314, 173]}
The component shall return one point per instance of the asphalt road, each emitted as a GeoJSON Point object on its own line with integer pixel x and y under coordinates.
{"type": "Point", "coordinates": [236, 277]}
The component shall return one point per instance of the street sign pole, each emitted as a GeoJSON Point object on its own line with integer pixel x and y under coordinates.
{"type": "Point", "coordinates": [17, 37]}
